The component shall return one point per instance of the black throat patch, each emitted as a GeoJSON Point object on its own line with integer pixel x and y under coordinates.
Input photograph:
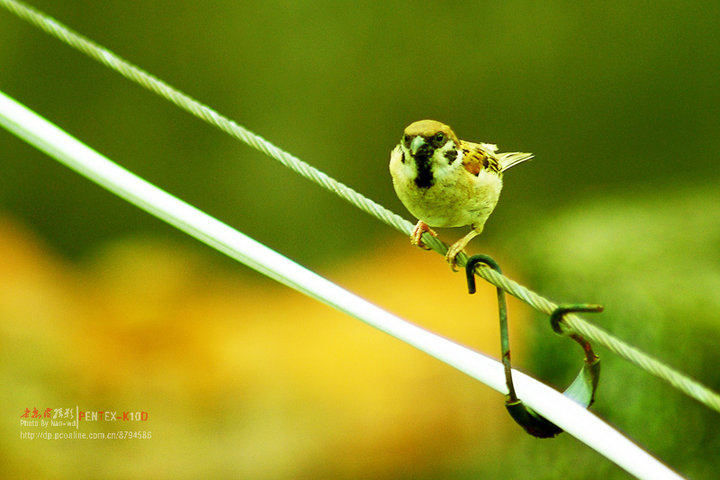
{"type": "Point", "coordinates": [425, 178]}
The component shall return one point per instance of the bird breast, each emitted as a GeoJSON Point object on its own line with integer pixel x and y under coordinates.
{"type": "Point", "coordinates": [455, 199]}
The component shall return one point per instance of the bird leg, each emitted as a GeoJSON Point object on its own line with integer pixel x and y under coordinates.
{"type": "Point", "coordinates": [460, 245]}
{"type": "Point", "coordinates": [417, 233]}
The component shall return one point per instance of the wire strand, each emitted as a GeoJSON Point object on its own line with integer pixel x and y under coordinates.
{"type": "Point", "coordinates": [642, 360]}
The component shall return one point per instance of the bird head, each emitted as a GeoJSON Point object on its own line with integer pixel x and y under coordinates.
{"type": "Point", "coordinates": [430, 146]}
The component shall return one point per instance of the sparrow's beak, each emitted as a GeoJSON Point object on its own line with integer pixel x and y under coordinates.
{"type": "Point", "coordinates": [417, 143]}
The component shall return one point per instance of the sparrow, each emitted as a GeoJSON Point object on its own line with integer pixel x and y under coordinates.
{"type": "Point", "coordinates": [447, 182]}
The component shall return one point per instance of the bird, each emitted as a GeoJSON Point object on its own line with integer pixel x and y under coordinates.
{"type": "Point", "coordinates": [447, 182]}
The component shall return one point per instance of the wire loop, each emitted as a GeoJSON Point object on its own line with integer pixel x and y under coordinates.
{"type": "Point", "coordinates": [582, 389]}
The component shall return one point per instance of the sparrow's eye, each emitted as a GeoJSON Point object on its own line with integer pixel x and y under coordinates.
{"type": "Point", "coordinates": [439, 139]}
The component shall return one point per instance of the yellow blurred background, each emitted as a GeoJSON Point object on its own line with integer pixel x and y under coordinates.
{"type": "Point", "coordinates": [255, 379]}
{"type": "Point", "coordinates": [104, 307]}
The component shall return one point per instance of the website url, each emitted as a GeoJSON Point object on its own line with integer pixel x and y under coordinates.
{"type": "Point", "coordinates": [75, 435]}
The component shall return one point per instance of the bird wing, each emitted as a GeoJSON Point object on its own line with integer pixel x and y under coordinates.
{"type": "Point", "coordinates": [477, 157]}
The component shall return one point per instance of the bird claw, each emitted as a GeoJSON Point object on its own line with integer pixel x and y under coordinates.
{"type": "Point", "coordinates": [417, 233]}
{"type": "Point", "coordinates": [454, 250]}
{"type": "Point", "coordinates": [451, 255]}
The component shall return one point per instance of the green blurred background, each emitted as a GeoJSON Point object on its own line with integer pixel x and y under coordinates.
{"type": "Point", "coordinates": [618, 100]}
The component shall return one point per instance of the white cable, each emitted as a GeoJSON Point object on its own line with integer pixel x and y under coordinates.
{"type": "Point", "coordinates": [570, 416]}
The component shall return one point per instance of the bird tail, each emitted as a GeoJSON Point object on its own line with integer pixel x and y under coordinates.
{"type": "Point", "coordinates": [510, 159]}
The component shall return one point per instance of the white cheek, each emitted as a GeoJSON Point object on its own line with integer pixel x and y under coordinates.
{"type": "Point", "coordinates": [442, 166]}
{"type": "Point", "coordinates": [408, 165]}
{"type": "Point", "coordinates": [402, 164]}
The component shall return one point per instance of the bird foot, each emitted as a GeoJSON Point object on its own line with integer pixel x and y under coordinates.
{"type": "Point", "coordinates": [453, 252]}
{"type": "Point", "coordinates": [417, 233]}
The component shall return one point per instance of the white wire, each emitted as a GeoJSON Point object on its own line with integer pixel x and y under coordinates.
{"type": "Point", "coordinates": [570, 416]}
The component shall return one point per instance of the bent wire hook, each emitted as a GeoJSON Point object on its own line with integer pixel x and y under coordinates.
{"type": "Point", "coordinates": [581, 390]}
